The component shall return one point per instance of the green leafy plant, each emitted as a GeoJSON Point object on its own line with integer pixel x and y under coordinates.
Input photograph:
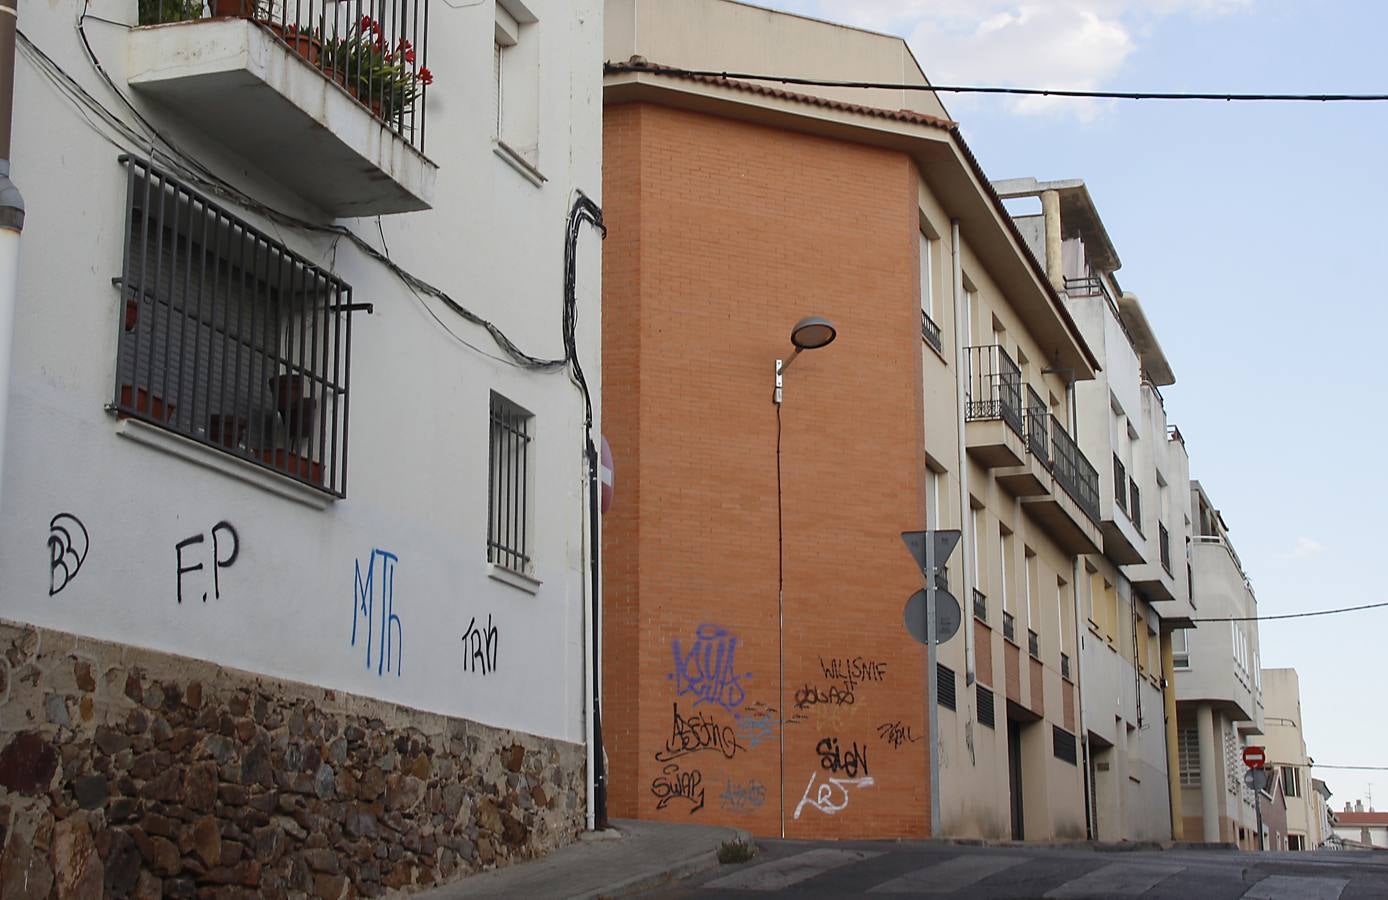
{"type": "Point", "coordinates": [736, 851]}
{"type": "Point", "coordinates": [380, 75]}
{"type": "Point", "coordinates": [155, 12]}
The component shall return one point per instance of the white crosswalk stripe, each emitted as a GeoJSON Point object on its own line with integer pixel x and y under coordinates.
{"type": "Point", "coordinates": [1127, 879]}
{"type": "Point", "coordinates": [949, 876]}
{"type": "Point", "coordinates": [1290, 887]}
{"type": "Point", "coordinates": [782, 873]}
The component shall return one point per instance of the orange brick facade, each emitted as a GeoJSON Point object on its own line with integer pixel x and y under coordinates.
{"type": "Point", "coordinates": [721, 235]}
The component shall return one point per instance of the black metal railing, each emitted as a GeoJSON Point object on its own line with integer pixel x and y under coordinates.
{"type": "Point", "coordinates": [1135, 505]}
{"type": "Point", "coordinates": [1120, 483]}
{"type": "Point", "coordinates": [1036, 420]}
{"type": "Point", "coordinates": [930, 332]}
{"type": "Point", "coordinates": [1164, 545]}
{"type": "Point", "coordinates": [508, 510]}
{"type": "Point", "coordinates": [229, 338]}
{"type": "Point", "coordinates": [1009, 626]}
{"type": "Point", "coordinates": [1073, 471]}
{"type": "Point", "coordinates": [377, 50]}
{"type": "Point", "coordinates": [1086, 286]}
{"type": "Point", "coordinates": [993, 385]}
{"type": "Point", "coordinates": [1064, 665]}
{"type": "Point", "coordinates": [980, 605]}
{"type": "Point", "coordinates": [1033, 643]}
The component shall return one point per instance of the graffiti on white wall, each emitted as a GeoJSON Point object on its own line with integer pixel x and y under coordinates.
{"type": "Point", "coordinates": [68, 542]}
{"type": "Point", "coordinates": [373, 611]}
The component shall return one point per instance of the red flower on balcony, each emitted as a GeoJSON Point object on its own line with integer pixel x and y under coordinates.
{"type": "Point", "coordinates": [425, 76]}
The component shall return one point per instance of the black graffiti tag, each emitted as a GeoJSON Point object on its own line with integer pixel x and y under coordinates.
{"type": "Point", "coordinates": [222, 532]}
{"type": "Point", "coordinates": [698, 732]}
{"type": "Point", "coordinates": [809, 695]}
{"type": "Point", "coordinates": [673, 784]}
{"type": "Point", "coordinates": [853, 671]}
{"type": "Point", "coordinates": [67, 550]}
{"type": "Point", "coordinates": [850, 761]}
{"type": "Point", "coordinates": [480, 646]}
{"type": "Point", "coordinates": [896, 733]}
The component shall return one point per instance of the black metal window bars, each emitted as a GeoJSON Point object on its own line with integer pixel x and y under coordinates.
{"type": "Point", "coordinates": [376, 51]}
{"type": "Point", "coordinates": [994, 386]}
{"type": "Point", "coordinates": [1120, 483]}
{"type": "Point", "coordinates": [508, 492]}
{"type": "Point", "coordinates": [229, 338]}
{"type": "Point", "coordinates": [1009, 626]}
{"type": "Point", "coordinates": [980, 605]}
{"type": "Point", "coordinates": [1033, 644]}
{"type": "Point", "coordinates": [930, 332]}
{"type": "Point", "coordinates": [1064, 665]}
{"type": "Point", "coordinates": [1037, 426]}
{"type": "Point", "coordinates": [1135, 505]}
{"type": "Point", "coordinates": [1073, 471]}
{"type": "Point", "coordinates": [1164, 545]}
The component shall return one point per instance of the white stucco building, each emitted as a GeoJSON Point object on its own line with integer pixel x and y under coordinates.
{"type": "Point", "coordinates": [241, 260]}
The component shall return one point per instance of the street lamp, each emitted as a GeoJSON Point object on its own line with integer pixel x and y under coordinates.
{"type": "Point", "coordinates": [810, 333]}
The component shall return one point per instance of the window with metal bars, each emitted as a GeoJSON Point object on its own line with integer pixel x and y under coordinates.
{"type": "Point", "coordinates": [986, 715]}
{"type": "Point", "coordinates": [1188, 756]}
{"type": "Point", "coordinates": [1064, 745]}
{"type": "Point", "coordinates": [509, 502]}
{"type": "Point", "coordinates": [945, 686]}
{"type": "Point", "coordinates": [229, 338]}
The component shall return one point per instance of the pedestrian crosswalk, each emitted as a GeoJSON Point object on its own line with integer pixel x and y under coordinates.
{"type": "Point", "coordinates": [1013, 874]}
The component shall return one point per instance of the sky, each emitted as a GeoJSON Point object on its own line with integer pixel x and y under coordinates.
{"type": "Point", "coordinates": [1252, 234]}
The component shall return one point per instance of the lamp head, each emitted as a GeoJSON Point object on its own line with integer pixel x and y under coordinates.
{"type": "Point", "coordinates": [813, 332]}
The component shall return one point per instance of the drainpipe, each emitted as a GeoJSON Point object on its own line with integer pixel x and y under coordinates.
{"type": "Point", "coordinates": [1090, 814]}
{"type": "Point", "coordinates": [11, 212]}
{"type": "Point", "coordinates": [965, 513]}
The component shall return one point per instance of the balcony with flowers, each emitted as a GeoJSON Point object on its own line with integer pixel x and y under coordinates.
{"type": "Point", "coordinates": [328, 98]}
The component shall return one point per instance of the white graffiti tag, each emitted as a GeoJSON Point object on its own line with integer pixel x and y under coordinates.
{"type": "Point", "coordinates": [831, 796]}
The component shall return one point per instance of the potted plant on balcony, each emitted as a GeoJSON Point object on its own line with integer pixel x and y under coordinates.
{"type": "Point", "coordinates": [381, 76]}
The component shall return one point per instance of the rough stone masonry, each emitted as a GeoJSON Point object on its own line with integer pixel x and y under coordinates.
{"type": "Point", "coordinates": [130, 773]}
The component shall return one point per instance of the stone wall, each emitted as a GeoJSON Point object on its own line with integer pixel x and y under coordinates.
{"type": "Point", "coordinates": [126, 772]}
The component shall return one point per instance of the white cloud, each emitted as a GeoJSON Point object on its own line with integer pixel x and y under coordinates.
{"type": "Point", "coordinates": [1061, 44]}
{"type": "Point", "coordinates": [1306, 548]}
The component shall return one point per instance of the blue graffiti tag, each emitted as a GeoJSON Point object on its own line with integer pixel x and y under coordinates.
{"type": "Point", "coordinates": [364, 596]}
{"type": "Point", "coordinates": [708, 670]}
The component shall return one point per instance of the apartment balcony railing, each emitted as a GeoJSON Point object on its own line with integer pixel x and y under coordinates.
{"type": "Point", "coordinates": [1120, 483]}
{"type": "Point", "coordinates": [1064, 665]}
{"type": "Point", "coordinates": [1073, 471]}
{"type": "Point", "coordinates": [1164, 545]}
{"type": "Point", "coordinates": [930, 332]}
{"type": "Point", "coordinates": [1086, 286]}
{"type": "Point", "coordinates": [1033, 644]}
{"type": "Point", "coordinates": [376, 51]}
{"type": "Point", "coordinates": [1009, 626]}
{"type": "Point", "coordinates": [980, 605]}
{"type": "Point", "coordinates": [1036, 420]}
{"type": "Point", "coordinates": [993, 385]}
{"type": "Point", "coordinates": [1135, 505]}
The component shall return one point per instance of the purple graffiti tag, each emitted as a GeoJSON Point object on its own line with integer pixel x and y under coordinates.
{"type": "Point", "coordinates": [708, 670]}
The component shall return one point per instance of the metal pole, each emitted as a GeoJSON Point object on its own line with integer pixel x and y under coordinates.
{"type": "Point", "coordinates": [933, 682]}
{"type": "Point", "coordinates": [11, 211]}
{"type": "Point", "coordinates": [1258, 808]}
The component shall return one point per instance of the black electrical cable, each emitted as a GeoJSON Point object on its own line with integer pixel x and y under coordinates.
{"type": "Point", "coordinates": [618, 68]}
{"type": "Point", "coordinates": [1300, 615]}
{"type": "Point", "coordinates": [780, 617]}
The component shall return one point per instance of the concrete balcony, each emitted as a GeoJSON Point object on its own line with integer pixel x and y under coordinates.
{"type": "Point", "coordinates": [1215, 674]}
{"type": "Point", "coordinates": [275, 106]}
{"type": "Point", "coordinates": [993, 429]}
{"type": "Point", "coordinates": [1033, 477]}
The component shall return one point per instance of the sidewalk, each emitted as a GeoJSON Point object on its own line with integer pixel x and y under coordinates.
{"type": "Point", "coordinates": [634, 857]}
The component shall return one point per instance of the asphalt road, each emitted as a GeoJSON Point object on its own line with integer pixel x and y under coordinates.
{"type": "Point", "coordinates": [849, 869]}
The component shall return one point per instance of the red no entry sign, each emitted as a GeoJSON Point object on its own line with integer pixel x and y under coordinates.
{"type": "Point", "coordinates": [1254, 757]}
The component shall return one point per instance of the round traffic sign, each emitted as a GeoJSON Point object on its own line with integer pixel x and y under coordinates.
{"type": "Point", "coordinates": [1254, 757]}
{"type": "Point", "coordinates": [947, 616]}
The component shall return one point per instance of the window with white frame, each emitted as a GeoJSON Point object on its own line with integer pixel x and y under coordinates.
{"type": "Point", "coordinates": [516, 74]}
{"type": "Point", "coordinates": [1291, 781]}
{"type": "Point", "coordinates": [975, 526]}
{"type": "Point", "coordinates": [1004, 550]}
{"type": "Point", "coordinates": [1180, 649]}
{"type": "Point", "coordinates": [927, 250]}
{"type": "Point", "coordinates": [510, 500]}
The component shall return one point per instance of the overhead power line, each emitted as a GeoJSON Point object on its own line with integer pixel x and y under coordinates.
{"type": "Point", "coordinates": [616, 68]}
{"type": "Point", "coordinates": [1300, 615]}
{"type": "Point", "coordinates": [1352, 768]}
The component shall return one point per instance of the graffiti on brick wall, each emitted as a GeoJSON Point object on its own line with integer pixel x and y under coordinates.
{"type": "Point", "coordinates": [190, 556]}
{"type": "Point", "coordinates": [373, 611]}
{"type": "Point", "coordinates": [757, 723]}
{"type": "Point", "coordinates": [833, 695]}
{"type": "Point", "coordinates": [742, 797]}
{"type": "Point", "coordinates": [895, 734]}
{"type": "Point", "coordinates": [68, 542]}
{"type": "Point", "coordinates": [829, 795]}
{"type": "Point", "coordinates": [708, 669]}
{"type": "Point", "coordinates": [850, 760]}
{"type": "Point", "coordinates": [700, 731]}
{"type": "Point", "coordinates": [853, 671]}
{"type": "Point", "coordinates": [480, 646]}
{"type": "Point", "coordinates": [674, 784]}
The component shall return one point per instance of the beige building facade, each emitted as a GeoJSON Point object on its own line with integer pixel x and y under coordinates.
{"type": "Point", "coordinates": [1218, 686]}
{"type": "Point", "coordinates": [1136, 589]}
{"type": "Point", "coordinates": [1288, 759]}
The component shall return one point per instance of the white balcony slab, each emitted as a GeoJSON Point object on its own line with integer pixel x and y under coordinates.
{"type": "Point", "coordinates": [240, 85]}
